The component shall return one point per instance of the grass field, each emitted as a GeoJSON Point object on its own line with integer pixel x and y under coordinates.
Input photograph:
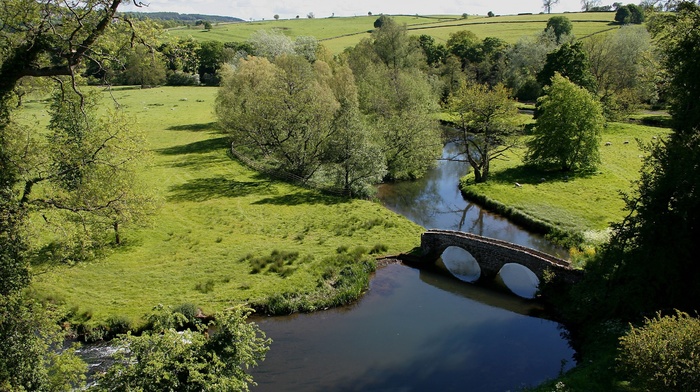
{"type": "Point", "coordinates": [218, 221]}
{"type": "Point", "coordinates": [339, 33]}
{"type": "Point", "coordinates": [580, 203]}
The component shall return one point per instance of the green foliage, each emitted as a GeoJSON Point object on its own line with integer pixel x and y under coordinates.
{"type": "Point", "coordinates": [630, 13]}
{"type": "Point", "coordinates": [281, 109]}
{"type": "Point", "coordinates": [560, 25]}
{"type": "Point", "coordinates": [526, 59]}
{"type": "Point", "coordinates": [663, 212]}
{"type": "Point", "coordinates": [28, 339]}
{"type": "Point", "coordinates": [624, 69]}
{"type": "Point", "coordinates": [570, 61]}
{"type": "Point", "coordinates": [568, 128]}
{"type": "Point", "coordinates": [398, 99]}
{"type": "Point", "coordinates": [487, 124]}
{"type": "Point", "coordinates": [191, 360]}
{"type": "Point", "coordinates": [663, 354]}
{"type": "Point", "coordinates": [144, 67]}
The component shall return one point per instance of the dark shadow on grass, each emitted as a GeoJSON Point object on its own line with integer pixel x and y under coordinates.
{"type": "Point", "coordinates": [303, 197]}
{"type": "Point", "coordinates": [200, 147]}
{"type": "Point", "coordinates": [202, 189]}
{"type": "Point", "coordinates": [210, 126]}
{"type": "Point", "coordinates": [532, 175]}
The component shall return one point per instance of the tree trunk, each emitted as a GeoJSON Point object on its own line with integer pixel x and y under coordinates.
{"type": "Point", "coordinates": [117, 239]}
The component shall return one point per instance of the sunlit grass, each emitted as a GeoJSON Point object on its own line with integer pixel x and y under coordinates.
{"type": "Point", "coordinates": [576, 202]}
{"type": "Point", "coordinates": [216, 215]}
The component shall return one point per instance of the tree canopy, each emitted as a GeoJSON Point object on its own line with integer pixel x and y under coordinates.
{"type": "Point", "coordinates": [567, 131]}
{"type": "Point", "coordinates": [487, 124]}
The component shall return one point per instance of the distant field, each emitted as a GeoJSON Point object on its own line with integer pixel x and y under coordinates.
{"type": "Point", "coordinates": [339, 33]}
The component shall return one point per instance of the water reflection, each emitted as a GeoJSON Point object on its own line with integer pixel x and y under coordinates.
{"type": "Point", "coordinates": [460, 263]}
{"type": "Point", "coordinates": [519, 279]}
{"type": "Point", "coordinates": [435, 202]}
{"type": "Point", "coordinates": [415, 330]}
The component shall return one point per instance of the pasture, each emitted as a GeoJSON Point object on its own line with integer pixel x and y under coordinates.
{"type": "Point", "coordinates": [339, 33]}
{"type": "Point", "coordinates": [217, 223]}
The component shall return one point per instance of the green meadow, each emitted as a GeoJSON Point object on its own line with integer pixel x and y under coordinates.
{"type": "Point", "coordinates": [223, 234]}
{"type": "Point", "coordinates": [585, 203]}
{"type": "Point", "coordinates": [339, 33]}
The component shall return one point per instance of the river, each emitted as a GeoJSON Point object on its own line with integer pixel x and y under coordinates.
{"type": "Point", "coordinates": [419, 330]}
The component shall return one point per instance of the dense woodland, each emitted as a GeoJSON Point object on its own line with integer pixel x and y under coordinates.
{"type": "Point", "coordinates": [344, 123]}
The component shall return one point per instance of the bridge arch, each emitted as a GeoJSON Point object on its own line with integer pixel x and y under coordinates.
{"type": "Point", "coordinates": [492, 255]}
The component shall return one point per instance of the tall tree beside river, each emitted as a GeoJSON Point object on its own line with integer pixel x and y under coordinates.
{"type": "Point", "coordinates": [487, 125]}
{"type": "Point", "coordinates": [651, 260]}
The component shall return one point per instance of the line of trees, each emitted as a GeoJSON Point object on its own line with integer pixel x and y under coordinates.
{"type": "Point", "coordinates": [350, 121]}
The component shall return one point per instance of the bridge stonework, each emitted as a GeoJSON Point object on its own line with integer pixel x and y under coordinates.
{"type": "Point", "coordinates": [492, 254]}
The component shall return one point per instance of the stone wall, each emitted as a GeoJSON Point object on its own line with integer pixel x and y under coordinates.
{"type": "Point", "coordinates": [492, 254]}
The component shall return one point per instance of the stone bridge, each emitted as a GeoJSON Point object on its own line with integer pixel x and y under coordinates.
{"type": "Point", "coordinates": [492, 254]}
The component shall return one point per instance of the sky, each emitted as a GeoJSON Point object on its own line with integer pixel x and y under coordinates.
{"type": "Point", "coordinates": [266, 9]}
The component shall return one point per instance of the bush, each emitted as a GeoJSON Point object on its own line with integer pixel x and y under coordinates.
{"type": "Point", "coordinates": [117, 325]}
{"type": "Point", "coordinates": [663, 355]}
{"type": "Point", "coordinates": [179, 78]}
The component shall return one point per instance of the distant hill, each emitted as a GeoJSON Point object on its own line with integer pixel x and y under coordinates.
{"type": "Point", "coordinates": [181, 18]}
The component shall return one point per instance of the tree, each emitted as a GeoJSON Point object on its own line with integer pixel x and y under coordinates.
{"type": "Point", "coordinates": [490, 14]}
{"type": "Point", "coordinates": [277, 17]}
{"type": "Point", "coordinates": [589, 5]}
{"type": "Point", "coordinates": [29, 335]}
{"type": "Point", "coordinates": [356, 158]}
{"type": "Point", "coordinates": [624, 69]}
{"type": "Point", "coordinates": [144, 67]}
{"type": "Point", "coordinates": [569, 60]}
{"type": "Point", "coordinates": [567, 131]}
{"type": "Point", "coordinates": [650, 263]}
{"type": "Point", "coordinates": [663, 354]}
{"type": "Point", "coordinates": [189, 361]}
{"type": "Point", "coordinates": [310, 15]}
{"type": "Point", "coordinates": [270, 44]}
{"type": "Point", "coordinates": [207, 25]}
{"type": "Point", "coordinates": [281, 109]}
{"type": "Point", "coordinates": [548, 4]}
{"type": "Point", "coordinates": [398, 98]}
{"type": "Point", "coordinates": [630, 13]}
{"type": "Point", "coordinates": [464, 44]}
{"type": "Point", "coordinates": [48, 39]}
{"type": "Point", "coordinates": [524, 61]}
{"type": "Point", "coordinates": [210, 55]}
{"type": "Point", "coordinates": [487, 124]}
{"type": "Point", "coordinates": [560, 25]}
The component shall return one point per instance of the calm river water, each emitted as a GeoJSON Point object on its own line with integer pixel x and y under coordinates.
{"type": "Point", "coordinates": [418, 330]}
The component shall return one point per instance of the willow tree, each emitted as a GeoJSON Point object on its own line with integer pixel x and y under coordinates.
{"type": "Point", "coordinates": [398, 99]}
{"type": "Point", "coordinates": [281, 109]}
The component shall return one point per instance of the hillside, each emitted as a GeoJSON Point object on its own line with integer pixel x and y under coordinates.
{"type": "Point", "coordinates": [338, 33]}
{"type": "Point", "coordinates": [182, 18]}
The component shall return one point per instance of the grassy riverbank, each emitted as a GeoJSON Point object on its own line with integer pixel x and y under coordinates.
{"type": "Point", "coordinates": [583, 204]}
{"type": "Point", "coordinates": [224, 234]}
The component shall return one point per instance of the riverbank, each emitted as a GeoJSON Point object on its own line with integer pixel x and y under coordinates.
{"type": "Point", "coordinates": [573, 209]}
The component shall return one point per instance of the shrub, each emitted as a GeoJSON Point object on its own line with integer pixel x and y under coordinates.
{"type": "Point", "coordinates": [117, 325]}
{"type": "Point", "coordinates": [189, 310]}
{"type": "Point", "coordinates": [663, 354]}
{"type": "Point", "coordinates": [179, 78]}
